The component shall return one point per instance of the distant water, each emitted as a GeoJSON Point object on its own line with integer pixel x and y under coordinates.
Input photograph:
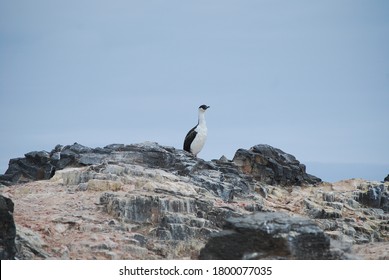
{"type": "Point", "coordinates": [333, 172]}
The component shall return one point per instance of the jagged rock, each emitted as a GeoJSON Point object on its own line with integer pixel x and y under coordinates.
{"type": "Point", "coordinates": [34, 166]}
{"type": "Point", "coordinates": [7, 229]}
{"type": "Point", "coordinates": [29, 245]}
{"type": "Point", "coordinates": [220, 177]}
{"type": "Point", "coordinates": [263, 162]}
{"type": "Point", "coordinates": [376, 197]}
{"type": "Point", "coordinates": [317, 211]}
{"type": "Point", "coordinates": [273, 166]}
{"type": "Point", "coordinates": [386, 179]}
{"type": "Point", "coordinates": [147, 201]}
{"type": "Point", "coordinates": [269, 236]}
{"type": "Point", "coordinates": [66, 219]}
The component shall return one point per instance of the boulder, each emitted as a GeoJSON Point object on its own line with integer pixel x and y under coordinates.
{"type": "Point", "coordinates": [269, 236]}
{"type": "Point", "coordinates": [386, 179]}
{"type": "Point", "coordinates": [273, 166]}
{"type": "Point", "coordinates": [34, 166]}
{"type": "Point", "coordinates": [7, 229]}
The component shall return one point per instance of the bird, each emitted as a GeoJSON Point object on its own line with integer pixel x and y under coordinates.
{"type": "Point", "coordinates": [195, 138]}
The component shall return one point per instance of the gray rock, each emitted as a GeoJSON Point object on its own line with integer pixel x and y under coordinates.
{"type": "Point", "coordinates": [269, 236]}
{"type": "Point", "coordinates": [273, 166]}
{"type": "Point", "coordinates": [173, 218]}
{"type": "Point", "coordinates": [29, 245]}
{"type": "Point", "coordinates": [330, 197]}
{"type": "Point", "coordinates": [161, 202]}
{"type": "Point", "coordinates": [176, 226]}
{"type": "Point", "coordinates": [224, 178]}
{"type": "Point", "coordinates": [7, 229]}
{"type": "Point", "coordinates": [376, 197]}
{"type": "Point", "coordinates": [335, 205]}
{"type": "Point", "coordinates": [34, 166]}
{"type": "Point", "coordinates": [316, 211]}
{"type": "Point", "coordinates": [142, 240]}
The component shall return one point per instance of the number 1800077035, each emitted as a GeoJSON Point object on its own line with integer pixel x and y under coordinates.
{"type": "Point", "coordinates": [243, 270]}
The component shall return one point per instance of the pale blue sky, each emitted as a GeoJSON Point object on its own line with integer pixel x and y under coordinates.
{"type": "Point", "coordinates": [308, 77]}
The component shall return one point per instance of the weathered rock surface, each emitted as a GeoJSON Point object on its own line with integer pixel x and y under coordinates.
{"type": "Point", "coordinates": [262, 162]}
{"type": "Point", "coordinates": [376, 197]}
{"type": "Point", "coordinates": [43, 165]}
{"type": "Point", "coordinates": [34, 166]}
{"type": "Point", "coordinates": [273, 166]}
{"type": "Point", "coordinates": [146, 201]}
{"type": "Point", "coordinates": [7, 229]}
{"type": "Point", "coordinates": [269, 236]}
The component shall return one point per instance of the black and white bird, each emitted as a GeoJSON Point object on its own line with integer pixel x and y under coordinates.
{"type": "Point", "coordinates": [195, 139]}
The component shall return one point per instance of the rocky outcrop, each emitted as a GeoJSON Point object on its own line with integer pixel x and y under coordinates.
{"type": "Point", "coordinates": [269, 236]}
{"type": "Point", "coordinates": [376, 197]}
{"type": "Point", "coordinates": [222, 178]}
{"type": "Point", "coordinates": [146, 201]}
{"type": "Point", "coordinates": [386, 179]}
{"type": "Point", "coordinates": [261, 162]}
{"type": "Point", "coordinates": [34, 166]}
{"type": "Point", "coordinates": [7, 229]}
{"type": "Point", "coordinates": [273, 166]}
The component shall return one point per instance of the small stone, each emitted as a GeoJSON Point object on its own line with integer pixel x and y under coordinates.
{"type": "Point", "coordinates": [82, 187]}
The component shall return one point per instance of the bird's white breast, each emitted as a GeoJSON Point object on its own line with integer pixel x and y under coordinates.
{"type": "Point", "coordinates": [199, 140]}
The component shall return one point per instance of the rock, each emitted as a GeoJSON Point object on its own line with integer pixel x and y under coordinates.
{"type": "Point", "coordinates": [386, 179]}
{"type": "Point", "coordinates": [7, 229]}
{"type": "Point", "coordinates": [376, 196]}
{"type": "Point", "coordinates": [29, 245]}
{"type": "Point", "coordinates": [329, 197]}
{"type": "Point", "coordinates": [335, 205]}
{"type": "Point", "coordinates": [35, 166]}
{"type": "Point", "coordinates": [273, 166]}
{"type": "Point", "coordinates": [317, 211]}
{"type": "Point", "coordinates": [172, 218]}
{"type": "Point", "coordinates": [146, 201]}
{"type": "Point", "coordinates": [103, 185]}
{"type": "Point", "coordinates": [223, 177]}
{"type": "Point", "coordinates": [269, 236]}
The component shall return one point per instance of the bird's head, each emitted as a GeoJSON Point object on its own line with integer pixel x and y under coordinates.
{"type": "Point", "coordinates": [203, 108]}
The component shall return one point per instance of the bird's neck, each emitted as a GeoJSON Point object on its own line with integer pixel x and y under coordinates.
{"type": "Point", "coordinates": [202, 119]}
